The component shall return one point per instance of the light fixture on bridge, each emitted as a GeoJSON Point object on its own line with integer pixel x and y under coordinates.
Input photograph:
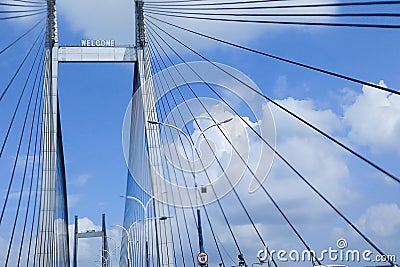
{"type": "Point", "coordinates": [203, 189]}
{"type": "Point", "coordinates": [165, 124]}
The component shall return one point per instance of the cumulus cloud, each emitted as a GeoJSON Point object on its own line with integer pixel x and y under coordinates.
{"type": "Point", "coordinates": [326, 120]}
{"type": "Point", "coordinates": [374, 120]}
{"type": "Point", "coordinates": [105, 19]}
{"type": "Point", "coordinates": [380, 223]}
{"type": "Point", "coordinates": [26, 160]}
{"type": "Point", "coordinates": [302, 148]}
{"type": "Point", "coordinates": [108, 20]}
{"type": "Point", "coordinates": [25, 194]}
{"type": "Point", "coordinates": [239, 32]}
{"type": "Point", "coordinates": [321, 162]}
{"type": "Point", "coordinates": [382, 220]}
{"type": "Point", "coordinates": [324, 164]}
{"type": "Point", "coordinates": [305, 150]}
{"type": "Point", "coordinates": [4, 247]}
{"type": "Point", "coordinates": [82, 179]}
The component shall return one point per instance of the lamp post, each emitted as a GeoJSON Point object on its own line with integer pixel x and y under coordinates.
{"type": "Point", "coordinates": [193, 149]}
{"type": "Point", "coordinates": [145, 206]}
{"type": "Point", "coordinates": [128, 235]}
{"type": "Point", "coordinates": [162, 218]}
{"type": "Point", "coordinates": [115, 248]}
{"type": "Point", "coordinates": [107, 258]}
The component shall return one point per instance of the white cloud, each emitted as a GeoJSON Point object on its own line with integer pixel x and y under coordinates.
{"type": "Point", "coordinates": [102, 19]}
{"type": "Point", "coordinates": [304, 149]}
{"type": "Point", "coordinates": [320, 162]}
{"type": "Point", "coordinates": [25, 194]}
{"type": "Point", "coordinates": [108, 20]}
{"type": "Point", "coordinates": [234, 31]}
{"type": "Point", "coordinates": [3, 247]}
{"type": "Point", "coordinates": [374, 120]}
{"type": "Point", "coordinates": [82, 179]}
{"type": "Point", "coordinates": [326, 120]}
{"type": "Point", "coordinates": [382, 220]}
{"type": "Point", "coordinates": [26, 160]}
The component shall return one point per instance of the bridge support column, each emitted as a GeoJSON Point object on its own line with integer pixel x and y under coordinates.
{"type": "Point", "coordinates": [144, 83]}
{"type": "Point", "coordinates": [52, 239]}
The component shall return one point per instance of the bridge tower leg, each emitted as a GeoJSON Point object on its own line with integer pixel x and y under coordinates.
{"type": "Point", "coordinates": [105, 253]}
{"type": "Point", "coordinates": [144, 82]}
{"type": "Point", "coordinates": [75, 259]}
{"type": "Point", "coordinates": [52, 239]}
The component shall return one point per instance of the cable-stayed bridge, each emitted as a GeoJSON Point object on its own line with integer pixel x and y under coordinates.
{"type": "Point", "coordinates": [221, 172]}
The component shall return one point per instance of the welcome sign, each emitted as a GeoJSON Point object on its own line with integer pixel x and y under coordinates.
{"type": "Point", "coordinates": [97, 43]}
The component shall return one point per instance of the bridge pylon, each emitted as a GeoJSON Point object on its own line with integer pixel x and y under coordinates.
{"type": "Point", "coordinates": [143, 91]}
{"type": "Point", "coordinates": [52, 239]}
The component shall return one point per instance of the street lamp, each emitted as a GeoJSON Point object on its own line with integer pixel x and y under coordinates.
{"type": "Point", "coordinates": [128, 235]}
{"type": "Point", "coordinates": [191, 142]}
{"type": "Point", "coordinates": [145, 206]}
{"type": "Point", "coordinates": [103, 262]}
{"type": "Point", "coordinates": [107, 259]}
{"type": "Point", "coordinates": [115, 248]}
{"type": "Point", "coordinates": [161, 218]}
{"type": "Point", "coordinates": [193, 148]}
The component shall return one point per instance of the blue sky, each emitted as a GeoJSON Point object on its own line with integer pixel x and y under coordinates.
{"type": "Point", "coordinates": [93, 99]}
